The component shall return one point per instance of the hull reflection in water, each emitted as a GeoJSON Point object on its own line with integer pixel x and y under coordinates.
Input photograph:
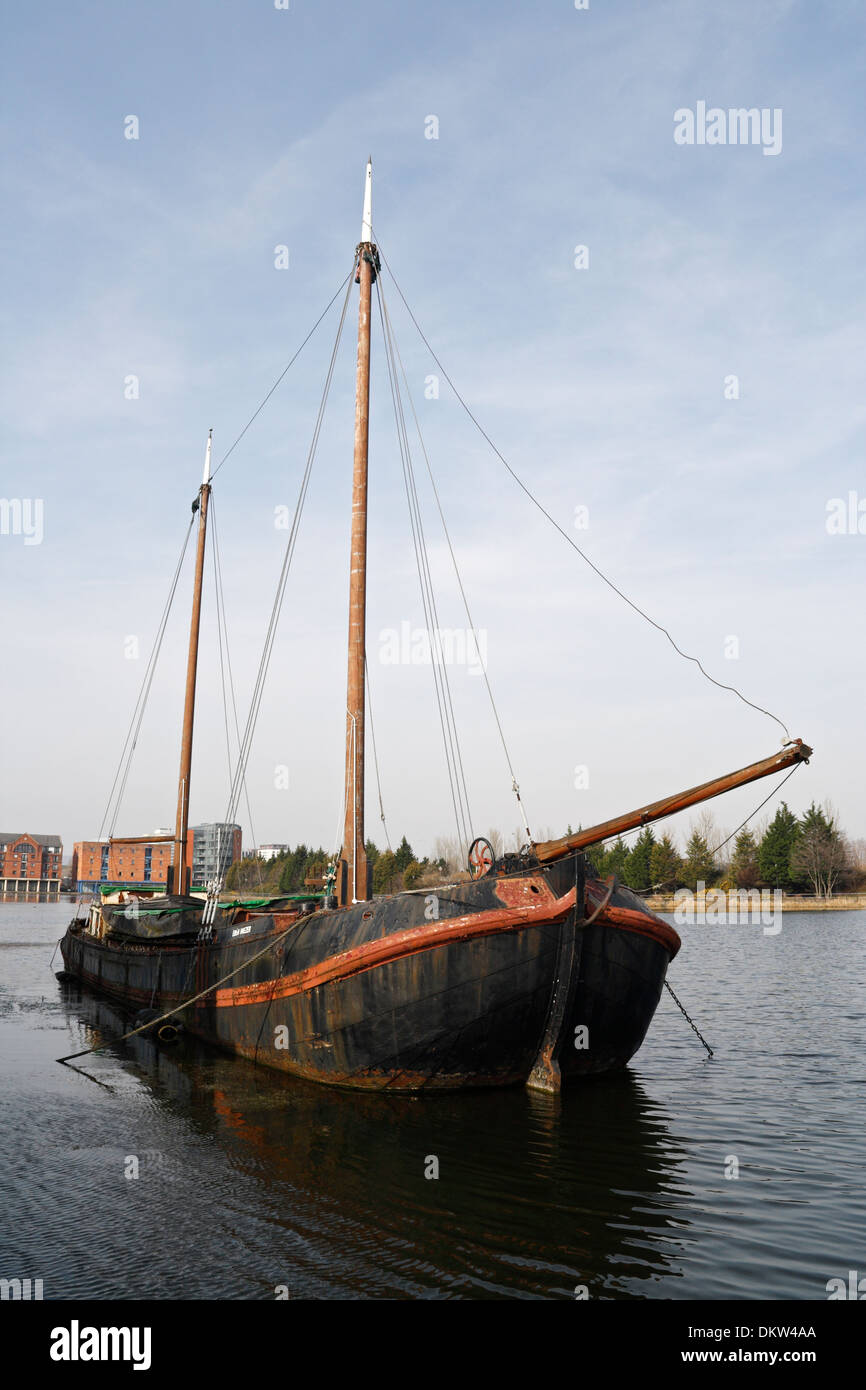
{"type": "Point", "coordinates": [324, 1192]}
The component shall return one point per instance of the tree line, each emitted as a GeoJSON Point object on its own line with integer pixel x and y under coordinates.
{"type": "Point", "coordinates": [288, 872]}
{"type": "Point", "coordinates": [805, 854]}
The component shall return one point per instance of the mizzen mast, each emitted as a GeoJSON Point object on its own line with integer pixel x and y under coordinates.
{"type": "Point", "coordinates": [354, 886]}
{"type": "Point", "coordinates": [180, 873]}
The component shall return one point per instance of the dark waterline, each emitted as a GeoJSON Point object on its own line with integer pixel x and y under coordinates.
{"type": "Point", "coordinates": [249, 1181]}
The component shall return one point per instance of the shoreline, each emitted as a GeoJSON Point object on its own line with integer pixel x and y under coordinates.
{"type": "Point", "coordinates": [790, 902]}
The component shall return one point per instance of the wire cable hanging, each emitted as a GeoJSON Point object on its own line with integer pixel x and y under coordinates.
{"type": "Point", "coordinates": [442, 686]}
{"type": "Point", "coordinates": [375, 754]}
{"type": "Point", "coordinates": [534, 500]}
{"type": "Point", "coordinates": [131, 740]}
{"type": "Point", "coordinates": [514, 783]}
{"type": "Point", "coordinates": [290, 363]}
{"type": "Point", "coordinates": [226, 668]}
{"type": "Point", "coordinates": [639, 830]}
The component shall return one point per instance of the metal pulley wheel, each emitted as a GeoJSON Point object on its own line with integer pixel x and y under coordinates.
{"type": "Point", "coordinates": [481, 858]}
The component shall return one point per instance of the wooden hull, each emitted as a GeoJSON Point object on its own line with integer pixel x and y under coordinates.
{"type": "Point", "coordinates": [488, 983]}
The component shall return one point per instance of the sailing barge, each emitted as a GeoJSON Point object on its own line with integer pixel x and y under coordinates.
{"type": "Point", "coordinates": [532, 971]}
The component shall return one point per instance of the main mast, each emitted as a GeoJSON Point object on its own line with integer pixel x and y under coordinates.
{"type": "Point", "coordinates": [181, 871]}
{"type": "Point", "coordinates": [354, 887]}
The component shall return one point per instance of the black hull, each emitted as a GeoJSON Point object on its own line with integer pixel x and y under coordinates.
{"type": "Point", "coordinates": [501, 986]}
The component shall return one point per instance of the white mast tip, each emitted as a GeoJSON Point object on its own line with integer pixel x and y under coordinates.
{"type": "Point", "coordinates": [367, 220]}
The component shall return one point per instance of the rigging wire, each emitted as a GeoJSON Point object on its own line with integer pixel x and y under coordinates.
{"type": "Point", "coordinates": [514, 783]}
{"type": "Point", "coordinates": [255, 702]}
{"type": "Point", "coordinates": [453, 756]}
{"type": "Point", "coordinates": [222, 626]}
{"type": "Point", "coordinates": [437, 653]}
{"type": "Point", "coordinates": [290, 363]}
{"type": "Point", "coordinates": [758, 808]}
{"type": "Point", "coordinates": [375, 755]}
{"type": "Point", "coordinates": [653, 887]}
{"type": "Point", "coordinates": [425, 582]}
{"type": "Point", "coordinates": [609, 582]}
{"type": "Point", "coordinates": [141, 703]}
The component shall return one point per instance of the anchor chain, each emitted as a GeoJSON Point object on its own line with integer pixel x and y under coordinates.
{"type": "Point", "coordinates": [688, 1019]}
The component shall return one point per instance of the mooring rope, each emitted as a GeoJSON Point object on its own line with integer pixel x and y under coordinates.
{"type": "Point", "coordinates": [151, 1023]}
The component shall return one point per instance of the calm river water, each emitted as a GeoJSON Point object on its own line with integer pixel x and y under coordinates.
{"type": "Point", "coordinates": [248, 1182]}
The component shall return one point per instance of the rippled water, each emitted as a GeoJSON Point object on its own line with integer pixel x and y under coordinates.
{"type": "Point", "coordinates": [249, 1181]}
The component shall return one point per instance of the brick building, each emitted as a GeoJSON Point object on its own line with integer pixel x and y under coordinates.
{"type": "Point", "coordinates": [100, 864]}
{"type": "Point", "coordinates": [103, 865]}
{"type": "Point", "coordinates": [30, 863]}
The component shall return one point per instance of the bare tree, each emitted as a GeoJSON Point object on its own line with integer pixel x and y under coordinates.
{"type": "Point", "coordinates": [497, 840]}
{"type": "Point", "coordinates": [822, 857]}
{"type": "Point", "coordinates": [449, 849]}
{"type": "Point", "coordinates": [857, 850]}
{"type": "Point", "coordinates": [705, 825]}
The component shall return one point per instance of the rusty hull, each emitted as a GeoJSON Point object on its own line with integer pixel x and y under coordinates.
{"type": "Point", "coordinates": [457, 988]}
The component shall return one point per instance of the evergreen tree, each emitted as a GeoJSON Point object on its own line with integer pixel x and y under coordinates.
{"type": "Point", "coordinates": [385, 872]}
{"type": "Point", "coordinates": [412, 873]}
{"type": "Point", "coordinates": [314, 868]}
{"type": "Point", "coordinates": [404, 855]}
{"type": "Point", "coordinates": [596, 861]}
{"type": "Point", "coordinates": [699, 866]}
{"type": "Point", "coordinates": [638, 874]}
{"type": "Point", "coordinates": [371, 852]}
{"type": "Point", "coordinates": [744, 861]}
{"type": "Point", "coordinates": [293, 870]}
{"type": "Point", "coordinates": [774, 851]}
{"type": "Point", "coordinates": [616, 858]}
{"type": "Point", "coordinates": [666, 866]}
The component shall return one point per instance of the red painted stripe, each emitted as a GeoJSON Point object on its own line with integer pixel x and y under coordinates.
{"type": "Point", "coordinates": [427, 937]}
{"type": "Point", "coordinates": [396, 947]}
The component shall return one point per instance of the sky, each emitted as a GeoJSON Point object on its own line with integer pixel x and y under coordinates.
{"type": "Point", "coordinates": [684, 396]}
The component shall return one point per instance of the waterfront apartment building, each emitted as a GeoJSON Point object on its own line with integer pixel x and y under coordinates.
{"type": "Point", "coordinates": [30, 863]}
{"type": "Point", "coordinates": [271, 851]}
{"type": "Point", "coordinates": [106, 864]}
{"type": "Point", "coordinates": [103, 865]}
{"type": "Point", "coordinates": [215, 847]}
